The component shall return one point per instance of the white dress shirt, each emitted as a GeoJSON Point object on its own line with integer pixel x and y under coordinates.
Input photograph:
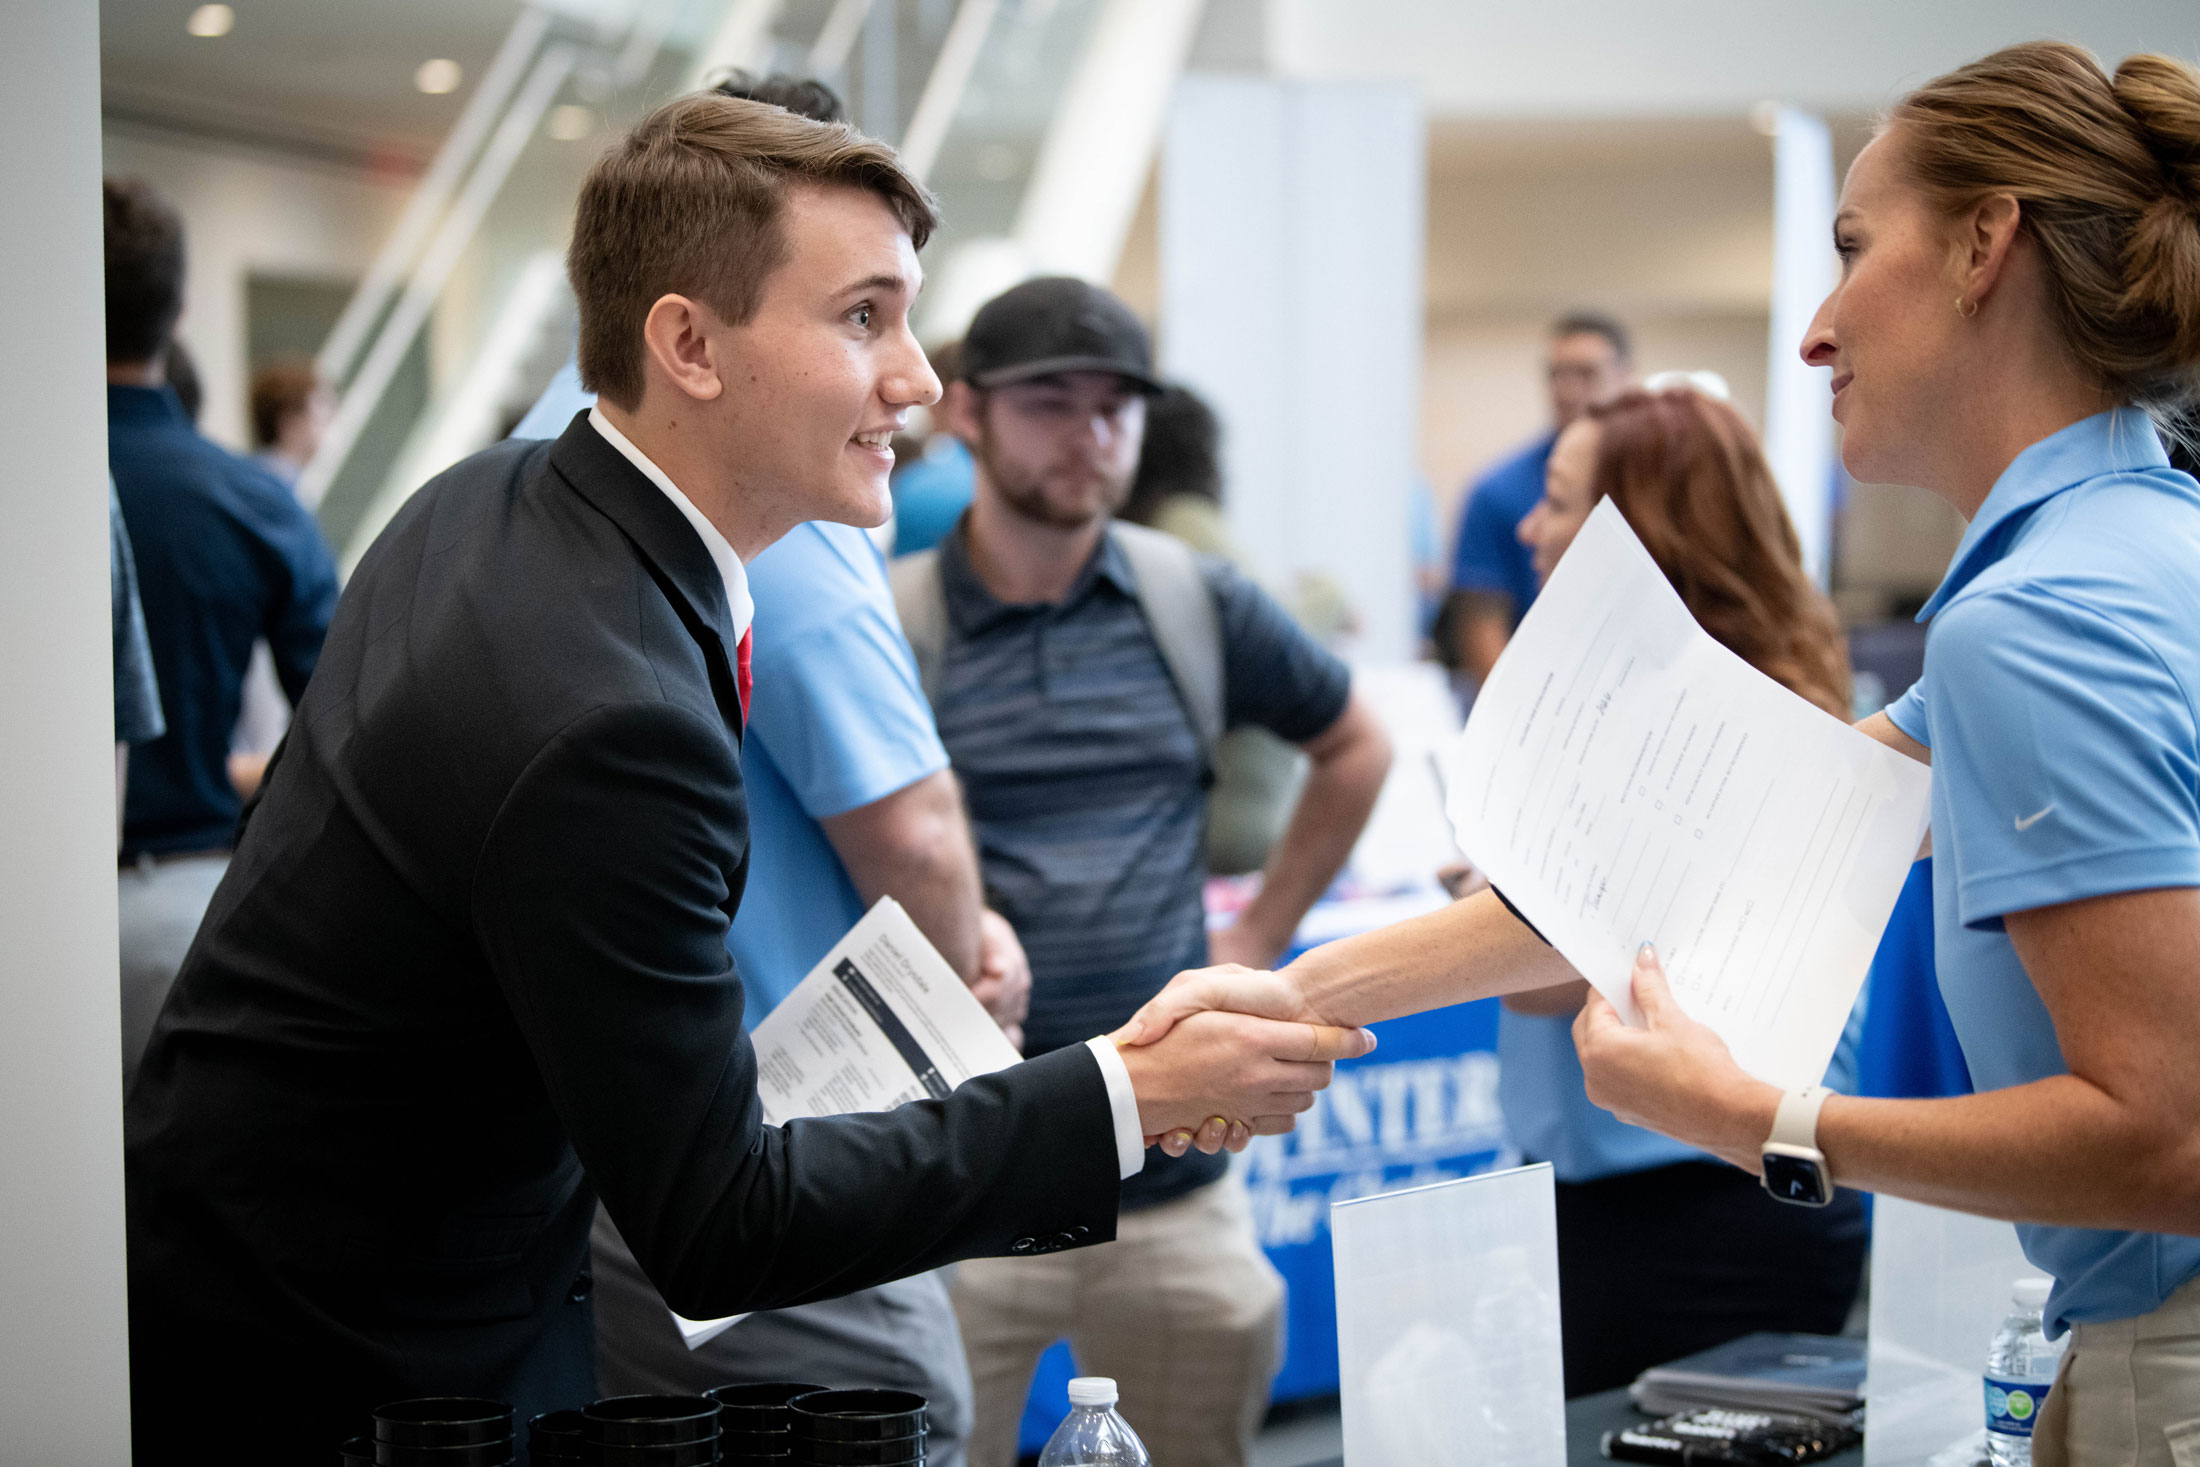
{"type": "Point", "coordinates": [721, 554]}
{"type": "Point", "coordinates": [1130, 1138]}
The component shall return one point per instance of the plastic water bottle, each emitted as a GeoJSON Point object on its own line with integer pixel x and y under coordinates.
{"type": "Point", "coordinates": [1093, 1435]}
{"type": "Point", "coordinates": [2020, 1366]}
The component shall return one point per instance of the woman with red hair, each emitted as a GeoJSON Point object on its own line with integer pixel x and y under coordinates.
{"type": "Point", "coordinates": [1663, 1249]}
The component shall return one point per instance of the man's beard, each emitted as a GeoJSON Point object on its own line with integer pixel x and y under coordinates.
{"type": "Point", "coordinates": [1026, 494]}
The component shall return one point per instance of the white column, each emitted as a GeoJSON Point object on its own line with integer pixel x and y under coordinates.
{"type": "Point", "coordinates": [1291, 219]}
{"type": "Point", "coordinates": [1798, 405]}
{"type": "Point", "coordinates": [64, 1367]}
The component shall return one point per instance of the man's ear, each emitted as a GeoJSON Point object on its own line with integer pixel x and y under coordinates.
{"type": "Point", "coordinates": [958, 411]}
{"type": "Point", "coordinates": [677, 340]}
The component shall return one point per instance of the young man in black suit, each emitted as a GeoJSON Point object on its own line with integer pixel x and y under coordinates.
{"type": "Point", "coordinates": [468, 971]}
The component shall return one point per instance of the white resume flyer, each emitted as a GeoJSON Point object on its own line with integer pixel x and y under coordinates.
{"type": "Point", "coordinates": [882, 1019]}
{"type": "Point", "coordinates": [1623, 778]}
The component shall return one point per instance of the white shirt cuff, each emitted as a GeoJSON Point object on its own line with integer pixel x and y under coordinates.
{"type": "Point", "coordinates": [1130, 1137]}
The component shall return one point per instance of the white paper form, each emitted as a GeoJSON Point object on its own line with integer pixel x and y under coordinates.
{"type": "Point", "coordinates": [882, 1019]}
{"type": "Point", "coordinates": [1624, 779]}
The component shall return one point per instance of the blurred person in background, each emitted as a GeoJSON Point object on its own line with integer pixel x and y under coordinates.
{"type": "Point", "coordinates": [850, 799]}
{"type": "Point", "coordinates": [224, 557]}
{"type": "Point", "coordinates": [1178, 491]}
{"type": "Point", "coordinates": [1051, 642]}
{"type": "Point", "coordinates": [932, 491]}
{"type": "Point", "coordinates": [1492, 580]}
{"type": "Point", "coordinates": [182, 371]}
{"type": "Point", "coordinates": [137, 693]}
{"type": "Point", "coordinates": [1664, 1249]}
{"type": "Point", "coordinates": [291, 408]}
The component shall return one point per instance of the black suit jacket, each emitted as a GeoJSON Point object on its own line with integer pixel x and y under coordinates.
{"type": "Point", "coordinates": [468, 972]}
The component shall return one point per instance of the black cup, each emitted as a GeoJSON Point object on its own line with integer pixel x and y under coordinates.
{"type": "Point", "coordinates": [358, 1452]}
{"type": "Point", "coordinates": [761, 1407]}
{"type": "Point", "coordinates": [650, 1421]}
{"type": "Point", "coordinates": [736, 1442]}
{"type": "Point", "coordinates": [443, 1421]}
{"type": "Point", "coordinates": [749, 1457]}
{"type": "Point", "coordinates": [476, 1454]}
{"type": "Point", "coordinates": [555, 1436]}
{"type": "Point", "coordinates": [856, 1416]}
{"type": "Point", "coordinates": [680, 1454]}
{"type": "Point", "coordinates": [886, 1452]}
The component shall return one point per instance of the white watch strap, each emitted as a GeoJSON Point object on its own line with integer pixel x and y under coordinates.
{"type": "Point", "coordinates": [1795, 1123]}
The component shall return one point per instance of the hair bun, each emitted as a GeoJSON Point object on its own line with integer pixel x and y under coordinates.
{"type": "Point", "coordinates": [2162, 97]}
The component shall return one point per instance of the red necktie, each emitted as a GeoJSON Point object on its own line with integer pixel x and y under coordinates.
{"type": "Point", "coordinates": [741, 680]}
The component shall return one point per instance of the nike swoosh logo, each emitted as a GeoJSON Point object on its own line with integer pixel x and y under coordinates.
{"type": "Point", "coordinates": [2026, 822]}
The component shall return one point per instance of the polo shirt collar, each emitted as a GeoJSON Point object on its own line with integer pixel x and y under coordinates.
{"type": "Point", "coordinates": [2121, 440]}
{"type": "Point", "coordinates": [973, 608]}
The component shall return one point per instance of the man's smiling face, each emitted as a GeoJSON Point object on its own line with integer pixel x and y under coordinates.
{"type": "Point", "coordinates": [824, 373]}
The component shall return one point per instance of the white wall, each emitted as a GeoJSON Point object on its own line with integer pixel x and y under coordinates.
{"type": "Point", "coordinates": [64, 1369]}
{"type": "Point", "coordinates": [1290, 257]}
{"type": "Point", "coordinates": [1621, 57]}
{"type": "Point", "coordinates": [250, 212]}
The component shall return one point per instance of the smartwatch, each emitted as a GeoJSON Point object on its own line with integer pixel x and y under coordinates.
{"type": "Point", "coordinates": [1794, 1167]}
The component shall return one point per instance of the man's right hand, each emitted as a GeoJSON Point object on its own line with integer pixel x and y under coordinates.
{"type": "Point", "coordinates": [1216, 1079]}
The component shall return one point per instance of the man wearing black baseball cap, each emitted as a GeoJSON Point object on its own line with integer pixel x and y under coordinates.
{"type": "Point", "coordinates": [1081, 671]}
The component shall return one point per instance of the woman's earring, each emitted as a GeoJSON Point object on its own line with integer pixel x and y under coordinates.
{"type": "Point", "coordinates": [1966, 309]}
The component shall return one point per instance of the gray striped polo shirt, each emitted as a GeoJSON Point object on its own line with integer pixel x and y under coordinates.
{"type": "Point", "coordinates": [1087, 788]}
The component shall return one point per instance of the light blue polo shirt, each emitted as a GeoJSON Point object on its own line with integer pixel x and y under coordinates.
{"type": "Point", "coordinates": [2058, 700]}
{"type": "Point", "coordinates": [1551, 1118]}
{"type": "Point", "coordinates": [836, 721]}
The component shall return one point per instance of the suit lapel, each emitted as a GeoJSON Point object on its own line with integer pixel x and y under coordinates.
{"type": "Point", "coordinates": [667, 544]}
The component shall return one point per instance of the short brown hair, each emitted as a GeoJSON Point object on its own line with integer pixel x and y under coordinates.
{"type": "Point", "coordinates": [690, 203]}
{"type": "Point", "coordinates": [2106, 173]}
{"type": "Point", "coordinates": [144, 247]}
{"type": "Point", "coordinates": [280, 389]}
{"type": "Point", "coordinates": [1689, 476]}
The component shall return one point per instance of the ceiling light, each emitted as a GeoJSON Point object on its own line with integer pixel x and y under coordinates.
{"type": "Point", "coordinates": [439, 76]}
{"type": "Point", "coordinates": [570, 123]}
{"type": "Point", "coordinates": [211, 20]}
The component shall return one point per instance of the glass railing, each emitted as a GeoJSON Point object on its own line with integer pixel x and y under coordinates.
{"type": "Point", "coordinates": [466, 314]}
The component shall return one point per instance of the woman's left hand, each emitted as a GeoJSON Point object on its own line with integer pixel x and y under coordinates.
{"type": "Point", "coordinates": [1673, 1075]}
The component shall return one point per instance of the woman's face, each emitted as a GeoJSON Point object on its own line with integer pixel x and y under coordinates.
{"type": "Point", "coordinates": [1890, 329]}
{"type": "Point", "coordinates": [1551, 526]}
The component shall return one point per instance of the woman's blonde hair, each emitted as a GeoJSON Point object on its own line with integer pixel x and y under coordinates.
{"type": "Point", "coordinates": [1689, 476]}
{"type": "Point", "coordinates": [2106, 173]}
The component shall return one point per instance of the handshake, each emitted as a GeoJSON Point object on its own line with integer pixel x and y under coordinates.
{"type": "Point", "coordinates": [1228, 1053]}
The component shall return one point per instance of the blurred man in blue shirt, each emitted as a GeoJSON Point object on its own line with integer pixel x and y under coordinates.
{"type": "Point", "coordinates": [1492, 576]}
{"type": "Point", "coordinates": [850, 799]}
{"type": "Point", "coordinates": [225, 557]}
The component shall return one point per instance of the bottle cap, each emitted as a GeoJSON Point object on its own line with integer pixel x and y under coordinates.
{"type": "Point", "coordinates": [1092, 1390]}
{"type": "Point", "coordinates": [2031, 1293]}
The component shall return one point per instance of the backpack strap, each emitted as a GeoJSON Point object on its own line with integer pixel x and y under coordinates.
{"type": "Point", "coordinates": [1180, 610]}
{"type": "Point", "coordinates": [920, 596]}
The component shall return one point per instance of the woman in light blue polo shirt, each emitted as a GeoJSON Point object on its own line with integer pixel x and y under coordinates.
{"type": "Point", "coordinates": [2019, 303]}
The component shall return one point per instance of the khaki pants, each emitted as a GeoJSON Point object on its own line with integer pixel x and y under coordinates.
{"type": "Point", "coordinates": [1182, 1309]}
{"type": "Point", "coordinates": [2128, 1392]}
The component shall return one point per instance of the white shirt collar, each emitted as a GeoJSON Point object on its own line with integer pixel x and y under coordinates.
{"type": "Point", "coordinates": [721, 554]}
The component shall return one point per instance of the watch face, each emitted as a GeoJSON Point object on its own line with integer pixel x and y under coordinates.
{"type": "Point", "coordinates": [1792, 1179]}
